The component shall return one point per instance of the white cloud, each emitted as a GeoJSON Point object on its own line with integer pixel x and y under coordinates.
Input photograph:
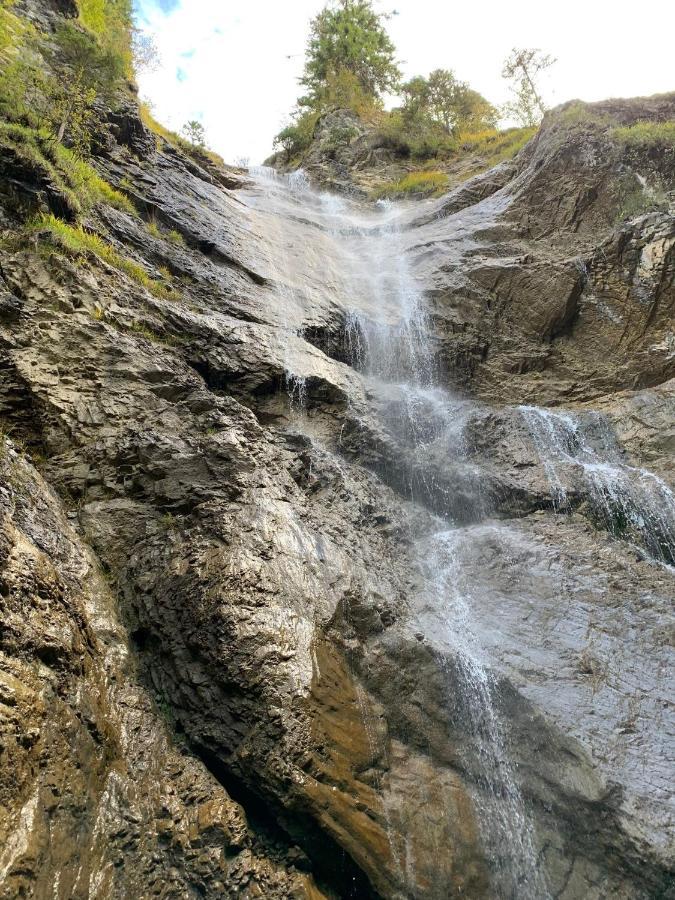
{"type": "Point", "coordinates": [234, 64]}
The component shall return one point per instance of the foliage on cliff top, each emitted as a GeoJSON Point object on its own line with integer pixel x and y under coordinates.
{"type": "Point", "coordinates": [424, 183]}
{"type": "Point", "coordinates": [350, 63]}
{"type": "Point", "coordinates": [647, 134]}
{"type": "Point", "coordinates": [475, 151]}
{"type": "Point", "coordinates": [349, 36]}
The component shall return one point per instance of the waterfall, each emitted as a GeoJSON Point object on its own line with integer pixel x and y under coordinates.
{"type": "Point", "coordinates": [357, 260]}
{"type": "Point", "coordinates": [393, 352]}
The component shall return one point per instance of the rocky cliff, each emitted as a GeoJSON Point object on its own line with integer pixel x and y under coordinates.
{"type": "Point", "coordinates": [270, 628]}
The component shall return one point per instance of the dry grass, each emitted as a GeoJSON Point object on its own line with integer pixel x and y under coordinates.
{"type": "Point", "coordinates": [423, 183]}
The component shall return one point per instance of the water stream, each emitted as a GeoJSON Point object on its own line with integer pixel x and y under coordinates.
{"type": "Point", "coordinates": [361, 254]}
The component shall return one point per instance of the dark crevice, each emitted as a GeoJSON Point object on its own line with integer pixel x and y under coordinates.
{"type": "Point", "coordinates": [238, 384]}
{"type": "Point", "coordinates": [332, 867]}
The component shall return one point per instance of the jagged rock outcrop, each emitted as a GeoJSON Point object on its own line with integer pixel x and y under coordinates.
{"type": "Point", "coordinates": [223, 670]}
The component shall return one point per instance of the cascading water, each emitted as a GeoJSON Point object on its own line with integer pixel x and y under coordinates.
{"type": "Point", "coordinates": [353, 258]}
{"type": "Point", "coordinates": [395, 356]}
{"type": "Point", "coordinates": [627, 501]}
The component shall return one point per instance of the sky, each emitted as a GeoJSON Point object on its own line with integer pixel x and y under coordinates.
{"type": "Point", "coordinates": [234, 64]}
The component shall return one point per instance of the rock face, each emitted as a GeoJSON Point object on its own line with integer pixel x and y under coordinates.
{"type": "Point", "coordinates": [302, 595]}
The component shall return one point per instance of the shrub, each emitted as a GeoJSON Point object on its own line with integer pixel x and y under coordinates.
{"type": "Point", "coordinates": [111, 22]}
{"type": "Point", "coordinates": [494, 145]}
{"type": "Point", "coordinates": [12, 28]}
{"type": "Point", "coordinates": [296, 137]}
{"type": "Point", "coordinates": [54, 82]}
{"type": "Point", "coordinates": [636, 199]}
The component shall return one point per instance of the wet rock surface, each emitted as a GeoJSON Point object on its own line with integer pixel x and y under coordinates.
{"type": "Point", "coordinates": [274, 624]}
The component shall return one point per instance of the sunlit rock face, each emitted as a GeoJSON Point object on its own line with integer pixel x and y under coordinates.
{"type": "Point", "coordinates": [348, 571]}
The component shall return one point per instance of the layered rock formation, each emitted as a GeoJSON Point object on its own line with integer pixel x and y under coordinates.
{"type": "Point", "coordinates": [235, 656]}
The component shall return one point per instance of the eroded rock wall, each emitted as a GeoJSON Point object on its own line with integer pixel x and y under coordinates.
{"type": "Point", "coordinates": [223, 671]}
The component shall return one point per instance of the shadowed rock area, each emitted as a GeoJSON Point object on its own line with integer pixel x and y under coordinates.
{"type": "Point", "coordinates": [343, 568]}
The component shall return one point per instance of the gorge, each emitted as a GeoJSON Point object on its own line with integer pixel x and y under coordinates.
{"type": "Point", "coordinates": [342, 563]}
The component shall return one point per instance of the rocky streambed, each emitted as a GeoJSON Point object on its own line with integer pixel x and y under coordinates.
{"type": "Point", "coordinates": [348, 571]}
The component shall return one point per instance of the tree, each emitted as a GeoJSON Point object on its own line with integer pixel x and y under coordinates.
{"type": "Point", "coordinates": [473, 112]}
{"type": "Point", "coordinates": [446, 103]}
{"type": "Point", "coordinates": [85, 71]}
{"type": "Point", "coordinates": [349, 37]}
{"type": "Point", "coordinates": [194, 132]}
{"type": "Point", "coordinates": [445, 94]}
{"type": "Point", "coordinates": [416, 101]}
{"type": "Point", "coordinates": [521, 68]}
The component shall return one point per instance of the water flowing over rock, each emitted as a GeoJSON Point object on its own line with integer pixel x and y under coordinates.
{"type": "Point", "coordinates": [347, 572]}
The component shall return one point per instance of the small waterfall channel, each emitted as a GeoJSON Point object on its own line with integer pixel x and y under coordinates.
{"type": "Point", "coordinates": [628, 501]}
{"type": "Point", "coordinates": [355, 257]}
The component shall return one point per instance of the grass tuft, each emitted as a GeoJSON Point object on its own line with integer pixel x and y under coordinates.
{"type": "Point", "coordinates": [78, 182]}
{"type": "Point", "coordinates": [495, 146]}
{"type": "Point", "coordinates": [175, 237]}
{"type": "Point", "coordinates": [78, 242]}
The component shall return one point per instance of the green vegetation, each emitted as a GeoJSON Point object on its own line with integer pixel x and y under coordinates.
{"type": "Point", "coordinates": [77, 242]}
{"type": "Point", "coordinates": [437, 115]}
{"type": "Point", "coordinates": [80, 186]}
{"type": "Point", "coordinates": [581, 114]}
{"type": "Point", "coordinates": [12, 28]}
{"type": "Point", "coordinates": [51, 88]}
{"type": "Point", "coordinates": [445, 105]}
{"type": "Point", "coordinates": [111, 22]}
{"type": "Point", "coordinates": [647, 134]}
{"type": "Point", "coordinates": [175, 237]}
{"type": "Point", "coordinates": [636, 199]}
{"type": "Point", "coordinates": [349, 38]}
{"type": "Point", "coordinates": [496, 146]}
{"type": "Point", "coordinates": [487, 148]}
{"type": "Point", "coordinates": [350, 63]}
{"type": "Point", "coordinates": [522, 69]}
{"type": "Point", "coordinates": [55, 82]}
{"type": "Point", "coordinates": [297, 136]}
{"type": "Point", "coordinates": [415, 184]}
{"type": "Point", "coordinates": [88, 72]}
{"type": "Point", "coordinates": [194, 133]}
